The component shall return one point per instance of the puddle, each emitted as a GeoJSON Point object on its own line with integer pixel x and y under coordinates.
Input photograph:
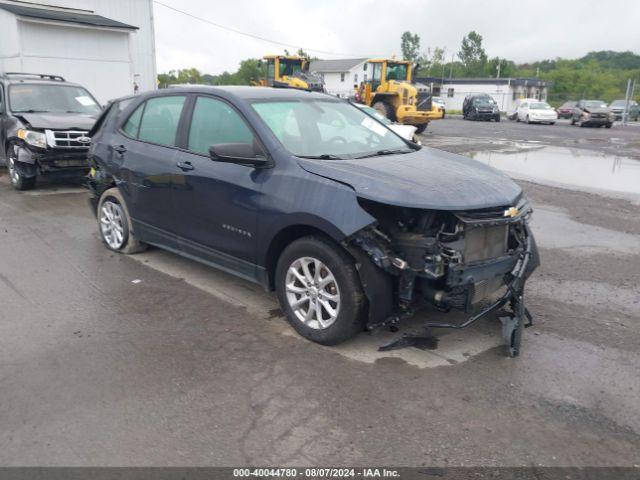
{"type": "Point", "coordinates": [567, 167]}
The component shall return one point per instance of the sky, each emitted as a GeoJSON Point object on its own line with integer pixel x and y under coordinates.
{"type": "Point", "coordinates": [518, 30]}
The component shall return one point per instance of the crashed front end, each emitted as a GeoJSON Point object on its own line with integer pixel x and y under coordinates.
{"type": "Point", "coordinates": [476, 261]}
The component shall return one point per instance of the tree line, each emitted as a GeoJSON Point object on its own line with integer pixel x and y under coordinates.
{"type": "Point", "coordinates": [598, 75]}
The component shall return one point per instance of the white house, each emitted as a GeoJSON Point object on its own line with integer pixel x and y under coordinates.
{"type": "Point", "coordinates": [105, 45]}
{"type": "Point", "coordinates": [505, 91]}
{"type": "Point", "coordinates": [341, 76]}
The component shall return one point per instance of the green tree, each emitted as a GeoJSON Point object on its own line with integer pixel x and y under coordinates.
{"type": "Point", "coordinates": [472, 54]}
{"type": "Point", "coordinates": [410, 46]}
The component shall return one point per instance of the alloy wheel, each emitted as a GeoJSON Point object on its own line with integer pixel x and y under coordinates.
{"type": "Point", "coordinates": [313, 293]}
{"type": "Point", "coordinates": [112, 224]}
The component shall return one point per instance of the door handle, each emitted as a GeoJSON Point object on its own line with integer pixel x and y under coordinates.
{"type": "Point", "coordinates": [119, 149]}
{"type": "Point", "coordinates": [185, 165]}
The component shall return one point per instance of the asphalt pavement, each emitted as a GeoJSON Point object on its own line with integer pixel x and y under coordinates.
{"type": "Point", "coordinates": [156, 360]}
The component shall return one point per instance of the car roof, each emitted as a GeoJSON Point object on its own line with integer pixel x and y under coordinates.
{"type": "Point", "coordinates": [250, 93]}
{"type": "Point", "coordinates": [15, 79]}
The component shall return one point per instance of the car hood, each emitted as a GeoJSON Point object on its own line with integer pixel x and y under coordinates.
{"type": "Point", "coordinates": [427, 178]}
{"type": "Point", "coordinates": [59, 121]}
{"type": "Point", "coordinates": [597, 110]}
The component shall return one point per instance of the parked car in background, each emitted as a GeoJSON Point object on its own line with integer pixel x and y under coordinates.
{"type": "Point", "coordinates": [513, 114]}
{"type": "Point", "coordinates": [43, 127]}
{"type": "Point", "coordinates": [618, 106]}
{"type": "Point", "coordinates": [301, 192]}
{"type": "Point", "coordinates": [592, 113]}
{"type": "Point", "coordinates": [408, 132]}
{"type": "Point", "coordinates": [480, 106]}
{"type": "Point", "coordinates": [536, 112]}
{"type": "Point", "coordinates": [439, 102]}
{"type": "Point", "coordinates": [566, 109]}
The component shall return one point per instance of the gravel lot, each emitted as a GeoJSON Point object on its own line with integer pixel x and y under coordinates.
{"type": "Point", "coordinates": [156, 360]}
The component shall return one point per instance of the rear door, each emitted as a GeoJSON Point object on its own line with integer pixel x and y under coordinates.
{"type": "Point", "coordinates": [217, 203]}
{"type": "Point", "coordinates": [146, 148]}
{"type": "Point", "coordinates": [3, 122]}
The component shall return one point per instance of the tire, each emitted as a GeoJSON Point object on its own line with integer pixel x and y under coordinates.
{"type": "Point", "coordinates": [421, 128]}
{"type": "Point", "coordinates": [573, 121]}
{"type": "Point", "coordinates": [385, 109]}
{"type": "Point", "coordinates": [17, 179]}
{"type": "Point", "coordinates": [111, 201]}
{"type": "Point", "coordinates": [527, 120]}
{"type": "Point", "coordinates": [497, 119]}
{"type": "Point", "coordinates": [608, 125]}
{"type": "Point", "coordinates": [444, 112]}
{"type": "Point", "coordinates": [552, 123]}
{"type": "Point", "coordinates": [349, 310]}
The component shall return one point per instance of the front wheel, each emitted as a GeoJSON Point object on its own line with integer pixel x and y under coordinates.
{"type": "Point", "coordinates": [114, 224]}
{"type": "Point", "coordinates": [608, 125]}
{"type": "Point", "coordinates": [18, 180]}
{"type": "Point", "coordinates": [385, 109]}
{"type": "Point", "coordinates": [319, 290]}
{"type": "Point", "coordinates": [421, 128]}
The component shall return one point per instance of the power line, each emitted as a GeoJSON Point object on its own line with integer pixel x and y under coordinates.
{"type": "Point", "coordinates": [255, 37]}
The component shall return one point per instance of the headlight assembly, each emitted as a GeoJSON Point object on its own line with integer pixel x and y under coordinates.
{"type": "Point", "coordinates": [35, 139]}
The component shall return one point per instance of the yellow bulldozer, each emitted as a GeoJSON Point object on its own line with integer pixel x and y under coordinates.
{"type": "Point", "coordinates": [289, 71]}
{"type": "Point", "coordinates": [390, 90]}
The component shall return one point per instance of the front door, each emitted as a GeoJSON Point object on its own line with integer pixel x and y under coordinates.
{"type": "Point", "coordinates": [3, 124]}
{"type": "Point", "coordinates": [216, 203]}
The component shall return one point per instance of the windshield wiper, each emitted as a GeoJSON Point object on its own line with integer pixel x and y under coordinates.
{"type": "Point", "coordinates": [31, 110]}
{"type": "Point", "coordinates": [324, 156]}
{"type": "Point", "coordinates": [385, 152]}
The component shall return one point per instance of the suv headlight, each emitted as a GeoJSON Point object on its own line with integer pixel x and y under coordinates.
{"type": "Point", "coordinates": [495, 109]}
{"type": "Point", "coordinates": [36, 139]}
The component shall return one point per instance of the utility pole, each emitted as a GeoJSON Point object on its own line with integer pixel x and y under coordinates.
{"type": "Point", "coordinates": [498, 68]}
{"type": "Point", "coordinates": [451, 67]}
{"type": "Point", "coordinates": [625, 114]}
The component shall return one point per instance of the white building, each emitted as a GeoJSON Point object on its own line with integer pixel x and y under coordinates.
{"type": "Point", "coordinates": [341, 77]}
{"type": "Point", "coordinates": [505, 91]}
{"type": "Point", "coordinates": [104, 45]}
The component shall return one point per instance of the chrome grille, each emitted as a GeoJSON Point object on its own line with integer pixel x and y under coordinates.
{"type": "Point", "coordinates": [66, 139]}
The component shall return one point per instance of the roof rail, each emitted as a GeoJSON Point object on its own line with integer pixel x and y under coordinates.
{"type": "Point", "coordinates": [39, 75]}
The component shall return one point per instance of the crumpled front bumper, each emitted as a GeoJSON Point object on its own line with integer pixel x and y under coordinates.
{"type": "Point", "coordinates": [65, 163]}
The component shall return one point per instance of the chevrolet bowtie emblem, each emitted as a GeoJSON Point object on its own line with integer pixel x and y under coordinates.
{"type": "Point", "coordinates": [512, 212]}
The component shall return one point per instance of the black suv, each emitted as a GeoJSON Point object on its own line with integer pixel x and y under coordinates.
{"type": "Point", "coordinates": [43, 127]}
{"type": "Point", "coordinates": [304, 193]}
{"type": "Point", "coordinates": [480, 106]}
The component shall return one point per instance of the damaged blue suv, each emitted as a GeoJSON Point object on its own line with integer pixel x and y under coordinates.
{"type": "Point", "coordinates": [354, 227]}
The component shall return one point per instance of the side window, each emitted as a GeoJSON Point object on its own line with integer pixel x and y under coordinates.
{"type": "Point", "coordinates": [160, 120]}
{"type": "Point", "coordinates": [1, 100]}
{"type": "Point", "coordinates": [132, 125]}
{"type": "Point", "coordinates": [216, 122]}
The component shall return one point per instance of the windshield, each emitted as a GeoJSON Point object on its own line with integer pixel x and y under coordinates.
{"type": "Point", "coordinates": [377, 115]}
{"type": "Point", "coordinates": [27, 97]}
{"type": "Point", "coordinates": [397, 71]}
{"type": "Point", "coordinates": [595, 104]}
{"type": "Point", "coordinates": [619, 103]}
{"type": "Point", "coordinates": [327, 129]}
{"type": "Point", "coordinates": [540, 106]}
{"type": "Point", "coordinates": [289, 67]}
{"type": "Point", "coordinates": [483, 101]}
{"type": "Point", "coordinates": [568, 105]}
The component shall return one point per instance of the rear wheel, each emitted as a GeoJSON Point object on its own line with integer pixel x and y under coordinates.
{"type": "Point", "coordinates": [319, 290]}
{"type": "Point", "coordinates": [114, 224]}
{"type": "Point", "coordinates": [383, 108]}
{"type": "Point", "coordinates": [17, 178]}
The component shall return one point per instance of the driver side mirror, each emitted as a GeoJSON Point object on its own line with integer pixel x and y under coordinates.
{"type": "Point", "coordinates": [239, 153]}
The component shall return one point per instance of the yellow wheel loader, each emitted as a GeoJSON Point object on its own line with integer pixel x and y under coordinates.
{"type": "Point", "coordinates": [390, 90]}
{"type": "Point", "coordinates": [289, 71]}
